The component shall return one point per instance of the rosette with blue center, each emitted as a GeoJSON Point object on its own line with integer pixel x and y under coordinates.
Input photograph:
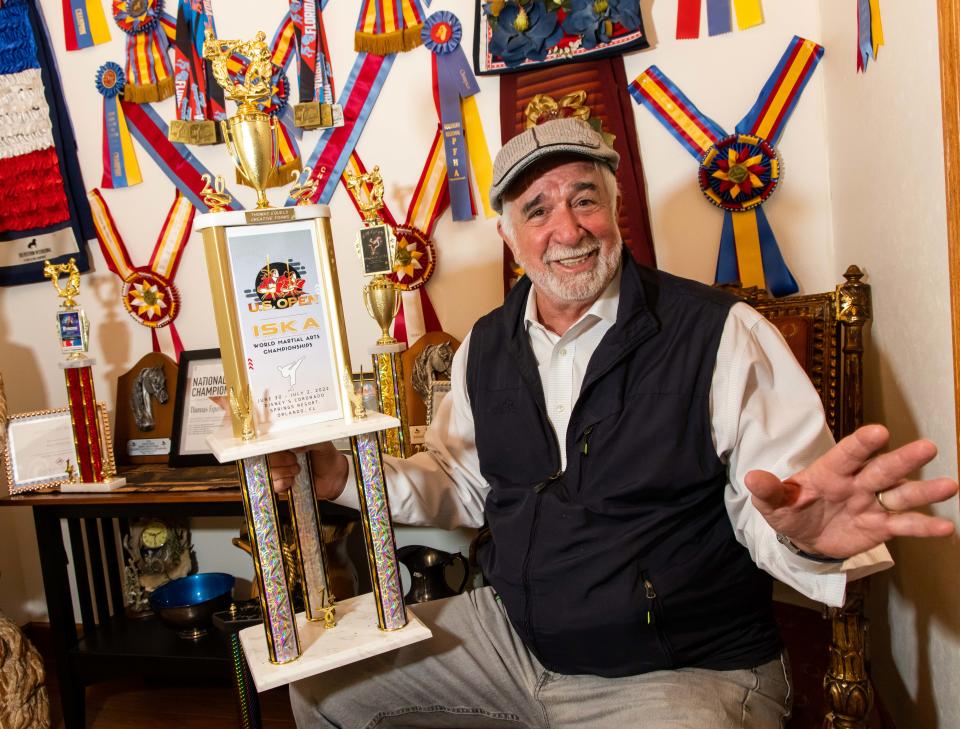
{"type": "Point", "coordinates": [110, 80]}
{"type": "Point", "coordinates": [739, 172]}
{"type": "Point", "coordinates": [137, 16]}
{"type": "Point", "coordinates": [441, 32]}
{"type": "Point", "coordinates": [523, 32]}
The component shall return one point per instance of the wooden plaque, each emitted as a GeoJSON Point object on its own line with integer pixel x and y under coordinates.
{"type": "Point", "coordinates": [140, 389]}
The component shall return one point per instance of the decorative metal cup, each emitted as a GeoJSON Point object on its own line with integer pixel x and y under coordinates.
{"type": "Point", "coordinates": [382, 300]}
{"type": "Point", "coordinates": [251, 139]}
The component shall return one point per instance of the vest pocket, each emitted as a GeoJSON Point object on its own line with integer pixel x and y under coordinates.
{"type": "Point", "coordinates": [656, 617]}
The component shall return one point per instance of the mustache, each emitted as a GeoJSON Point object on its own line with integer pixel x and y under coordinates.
{"type": "Point", "coordinates": [557, 253]}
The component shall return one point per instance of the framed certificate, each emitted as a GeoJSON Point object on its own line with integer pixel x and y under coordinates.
{"type": "Point", "coordinates": [40, 444]}
{"type": "Point", "coordinates": [285, 327]}
{"type": "Point", "coordinates": [202, 407]}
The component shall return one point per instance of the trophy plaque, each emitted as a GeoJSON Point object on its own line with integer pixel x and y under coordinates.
{"type": "Point", "coordinates": [94, 470]}
{"type": "Point", "coordinates": [276, 299]}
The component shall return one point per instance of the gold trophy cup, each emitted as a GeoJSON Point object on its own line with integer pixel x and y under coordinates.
{"type": "Point", "coordinates": [382, 300]}
{"type": "Point", "coordinates": [250, 134]}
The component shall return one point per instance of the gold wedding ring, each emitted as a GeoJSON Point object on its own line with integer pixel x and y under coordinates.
{"type": "Point", "coordinates": [886, 508]}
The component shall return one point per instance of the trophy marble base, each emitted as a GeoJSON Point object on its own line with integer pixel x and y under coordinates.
{"type": "Point", "coordinates": [388, 348]}
{"type": "Point", "coordinates": [227, 447]}
{"type": "Point", "coordinates": [105, 486]}
{"type": "Point", "coordinates": [355, 637]}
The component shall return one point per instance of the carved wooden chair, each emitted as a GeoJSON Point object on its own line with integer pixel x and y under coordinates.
{"type": "Point", "coordinates": [825, 332]}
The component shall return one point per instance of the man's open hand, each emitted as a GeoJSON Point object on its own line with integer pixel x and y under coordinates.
{"type": "Point", "coordinates": [831, 507]}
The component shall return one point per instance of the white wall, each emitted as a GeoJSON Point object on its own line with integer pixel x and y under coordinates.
{"type": "Point", "coordinates": [827, 213]}
{"type": "Point", "coordinates": [889, 215]}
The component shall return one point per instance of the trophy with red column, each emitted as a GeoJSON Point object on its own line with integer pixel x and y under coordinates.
{"type": "Point", "coordinates": [94, 470]}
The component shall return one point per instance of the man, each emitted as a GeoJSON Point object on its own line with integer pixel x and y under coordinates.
{"type": "Point", "coordinates": [606, 423]}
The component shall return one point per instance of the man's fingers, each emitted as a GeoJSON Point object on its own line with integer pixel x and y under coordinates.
{"type": "Point", "coordinates": [769, 492]}
{"type": "Point", "coordinates": [912, 524]}
{"type": "Point", "coordinates": [283, 470]}
{"type": "Point", "coordinates": [888, 469]}
{"type": "Point", "coordinates": [852, 452]}
{"type": "Point", "coordinates": [915, 494]}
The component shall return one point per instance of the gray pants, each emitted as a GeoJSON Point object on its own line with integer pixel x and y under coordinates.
{"type": "Point", "coordinates": [475, 672]}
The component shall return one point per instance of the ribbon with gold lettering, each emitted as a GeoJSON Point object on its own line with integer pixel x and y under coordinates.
{"type": "Point", "coordinates": [454, 86]}
{"type": "Point", "coordinates": [739, 172]}
{"type": "Point", "coordinates": [869, 32]}
{"type": "Point", "coordinates": [415, 258]}
{"type": "Point", "coordinates": [84, 24]}
{"type": "Point", "coordinates": [149, 294]}
{"type": "Point", "coordinates": [749, 13]}
{"type": "Point", "coordinates": [200, 100]}
{"type": "Point", "coordinates": [120, 166]}
{"type": "Point", "coordinates": [149, 76]}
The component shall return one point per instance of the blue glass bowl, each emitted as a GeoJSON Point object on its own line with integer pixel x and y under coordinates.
{"type": "Point", "coordinates": [188, 603]}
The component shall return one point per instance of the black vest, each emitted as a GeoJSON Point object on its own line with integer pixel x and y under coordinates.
{"type": "Point", "coordinates": [626, 562]}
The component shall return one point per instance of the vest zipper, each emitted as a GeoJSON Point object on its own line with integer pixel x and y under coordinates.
{"type": "Point", "coordinates": [525, 574]}
{"type": "Point", "coordinates": [655, 617]}
{"type": "Point", "coordinates": [585, 441]}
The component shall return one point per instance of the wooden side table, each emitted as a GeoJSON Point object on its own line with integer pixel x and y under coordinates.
{"type": "Point", "coordinates": [111, 643]}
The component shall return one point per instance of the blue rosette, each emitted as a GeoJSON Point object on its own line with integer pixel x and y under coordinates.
{"type": "Point", "coordinates": [110, 80]}
{"type": "Point", "coordinates": [441, 32]}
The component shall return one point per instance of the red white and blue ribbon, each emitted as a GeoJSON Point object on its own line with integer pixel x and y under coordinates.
{"type": "Point", "coordinates": [178, 164]}
{"type": "Point", "coordinates": [739, 172]}
{"type": "Point", "coordinates": [84, 24]}
{"type": "Point", "coordinates": [120, 166]}
{"type": "Point", "coordinates": [314, 73]}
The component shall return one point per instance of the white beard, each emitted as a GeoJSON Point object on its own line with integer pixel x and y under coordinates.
{"type": "Point", "coordinates": [582, 286]}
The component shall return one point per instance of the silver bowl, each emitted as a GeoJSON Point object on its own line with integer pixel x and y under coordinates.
{"type": "Point", "coordinates": [188, 603]}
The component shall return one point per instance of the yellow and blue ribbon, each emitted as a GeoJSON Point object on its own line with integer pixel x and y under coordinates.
{"type": "Point", "coordinates": [739, 172]}
{"type": "Point", "coordinates": [120, 166]}
{"type": "Point", "coordinates": [869, 32]}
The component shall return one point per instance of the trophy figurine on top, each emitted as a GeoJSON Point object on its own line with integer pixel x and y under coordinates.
{"type": "Point", "coordinates": [276, 300]}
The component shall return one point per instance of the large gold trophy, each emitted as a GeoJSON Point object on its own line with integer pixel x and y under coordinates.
{"type": "Point", "coordinates": [276, 299]}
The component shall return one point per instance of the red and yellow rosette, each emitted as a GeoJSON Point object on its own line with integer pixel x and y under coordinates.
{"type": "Point", "coordinates": [149, 75]}
{"type": "Point", "coordinates": [739, 172]}
{"type": "Point", "coordinates": [149, 294]}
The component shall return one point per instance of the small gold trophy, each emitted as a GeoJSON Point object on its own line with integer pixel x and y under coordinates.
{"type": "Point", "coordinates": [250, 134]}
{"type": "Point", "coordinates": [376, 246]}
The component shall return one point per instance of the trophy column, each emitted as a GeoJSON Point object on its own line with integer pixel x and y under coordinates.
{"type": "Point", "coordinates": [263, 529]}
{"type": "Point", "coordinates": [378, 531]}
{"type": "Point", "coordinates": [83, 417]}
{"type": "Point", "coordinates": [388, 368]}
{"type": "Point", "coordinates": [308, 531]}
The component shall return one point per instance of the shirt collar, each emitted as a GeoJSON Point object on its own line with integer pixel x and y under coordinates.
{"type": "Point", "coordinates": [604, 308]}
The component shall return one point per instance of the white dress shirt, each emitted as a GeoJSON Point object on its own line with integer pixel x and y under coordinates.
{"type": "Point", "coordinates": [765, 414]}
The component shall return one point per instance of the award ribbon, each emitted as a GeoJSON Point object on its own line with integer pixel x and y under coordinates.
{"type": "Point", "coordinates": [176, 161]}
{"type": "Point", "coordinates": [869, 32]}
{"type": "Point", "coordinates": [749, 13]}
{"type": "Point", "coordinates": [454, 86]}
{"type": "Point", "coordinates": [740, 171]}
{"type": "Point", "coordinates": [120, 166]}
{"type": "Point", "coordinates": [388, 26]}
{"type": "Point", "coordinates": [84, 24]}
{"type": "Point", "coordinates": [149, 294]}
{"type": "Point", "coordinates": [149, 76]}
{"type": "Point", "coordinates": [415, 260]}
{"type": "Point", "coordinates": [200, 100]}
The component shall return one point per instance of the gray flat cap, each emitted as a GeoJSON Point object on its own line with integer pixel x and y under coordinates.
{"type": "Point", "coordinates": [557, 136]}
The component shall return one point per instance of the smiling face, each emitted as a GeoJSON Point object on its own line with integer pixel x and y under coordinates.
{"type": "Point", "coordinates": [562, 228]}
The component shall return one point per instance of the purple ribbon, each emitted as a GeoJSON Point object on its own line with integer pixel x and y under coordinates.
{"type": "Point", "coordinates": [718, 16]}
